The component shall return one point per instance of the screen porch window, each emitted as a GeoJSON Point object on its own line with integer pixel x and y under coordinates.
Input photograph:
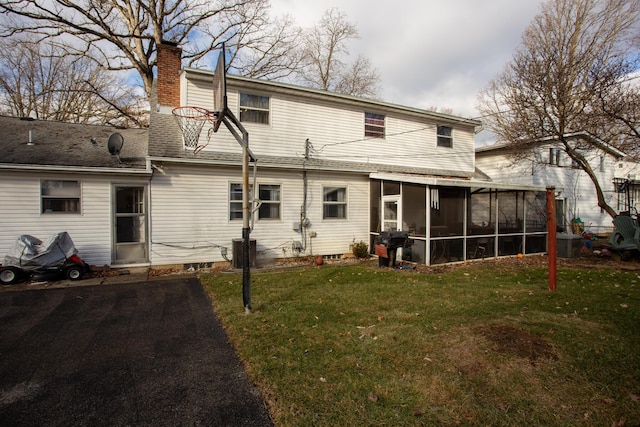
{"type": "Point", "coordinates": [373, 125]}
{"type": "Point", "coordinates": [334, 203]}
{"type": "Point", "coordinates": [60, 196]}
{"type": "Point", "coordinates": [254, 108]}
{"type": "Point", "coordinates": [445, 136]}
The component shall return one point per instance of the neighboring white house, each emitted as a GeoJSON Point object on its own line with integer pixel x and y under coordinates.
{"type": "Point", "coordinates": [61, 177]}
{"type": "Point", "coordinates": [546, 164]}
{"type": "Point", "coordinates": [627, 185]}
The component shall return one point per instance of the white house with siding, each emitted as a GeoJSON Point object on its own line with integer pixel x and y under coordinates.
{"type": "Point", "coordinates": [327, 170]}
{"type": "Point", "coordinates": [627, 183]}
{"type": "Point", "coordinates": [545, 163]}
{"type": "Point", "coordinates": [331, 169]}
{"type": "Point", "coordinates": [61, 177]}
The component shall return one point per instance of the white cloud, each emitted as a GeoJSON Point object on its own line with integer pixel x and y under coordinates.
{"type": "Point", "coordinates": [429, 52]}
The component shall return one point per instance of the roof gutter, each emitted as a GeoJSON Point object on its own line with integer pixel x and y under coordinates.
{"type": "Point", "coordinates": [452, 182]}
{"type": "Point", "coordinates": [86, 170]}
{"type": "Point", "coordinates": [236, 163]}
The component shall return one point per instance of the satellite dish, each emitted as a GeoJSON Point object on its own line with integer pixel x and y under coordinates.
{"type": "Point", "coordinates": [115, 143]}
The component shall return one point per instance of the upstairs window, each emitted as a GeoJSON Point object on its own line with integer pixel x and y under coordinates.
{"type": "Point", "coordinates": [254, 108]}
{"type": "Point", "coordinates": [554, 156]}
{"type": "Point", "coordinates": [334, 203]}
{"type": "Point", "coordinates": [373, 125]}
{"type": "Point", "coordinates": [60, 196]}
{"type": "Point", "coordinates": [445, 138]}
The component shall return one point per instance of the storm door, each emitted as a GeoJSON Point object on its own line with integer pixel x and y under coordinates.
{"type": "Point", "coordinates": [391, 213]}
{"type": "Point", "coordinates": [130, 225]}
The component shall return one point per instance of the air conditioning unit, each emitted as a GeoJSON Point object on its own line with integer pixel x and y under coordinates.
{"type": "Point", "coordinates": [237, 253]}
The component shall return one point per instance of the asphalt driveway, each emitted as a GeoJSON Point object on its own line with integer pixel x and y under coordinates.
{"type": "Point", "coordinates": [131, 354]}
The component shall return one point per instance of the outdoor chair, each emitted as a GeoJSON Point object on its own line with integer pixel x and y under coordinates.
{"type": "Point", "coordinates": [626, 235]}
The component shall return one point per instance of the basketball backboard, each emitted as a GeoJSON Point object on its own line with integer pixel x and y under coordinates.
{"type": "Point", "coordinates": [220, 88]}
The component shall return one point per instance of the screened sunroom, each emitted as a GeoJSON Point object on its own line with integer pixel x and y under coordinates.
{"type": "Point", "coordinates": [457, 220]}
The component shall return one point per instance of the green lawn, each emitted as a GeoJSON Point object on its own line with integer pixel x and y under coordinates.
{"type": "Point", "coordinates": [483, 344]}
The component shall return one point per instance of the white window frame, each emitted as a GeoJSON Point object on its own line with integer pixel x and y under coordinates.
{"type": "Point", "coordinates": [235, 204]}
{"type": "Point", "coordinates": [246, 109]}
{"type": "Point", "coordinates": [374, 125]}
{"type": "Point", "coordinates": [554, 156]}
{"type": "Point", "coordinates": [444, 139]}
{"type": "Point", "coordinates": [264, 204]}
{"type": "Point", "coordinates": [57, 192]}
{"type": "Point", "coordinates": [334, 203]}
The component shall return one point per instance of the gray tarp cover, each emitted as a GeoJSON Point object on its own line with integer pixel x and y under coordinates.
{"type": "Point", "coordinates": [30, 253]}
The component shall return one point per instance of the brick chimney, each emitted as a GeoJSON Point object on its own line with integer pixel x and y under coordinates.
{"type": "Point", "coordinates": [169, 65]}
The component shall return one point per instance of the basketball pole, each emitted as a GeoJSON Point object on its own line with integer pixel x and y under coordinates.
{"type": "Point", "coordinates": [224, 115]}
{"type": "Point", "coordinates": [246, 231]}
{"type": "Point", "coordinates": [232, 123]}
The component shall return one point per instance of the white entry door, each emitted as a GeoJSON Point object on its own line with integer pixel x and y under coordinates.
{"type": "Point", "coordinates": [391, 213]}
{"type": "Point", "coordinates": [130, 225]}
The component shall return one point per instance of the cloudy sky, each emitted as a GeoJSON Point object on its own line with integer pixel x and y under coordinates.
{"type": "Point", "coordinates": [429, 52]}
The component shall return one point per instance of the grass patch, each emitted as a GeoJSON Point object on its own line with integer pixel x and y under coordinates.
{"type": "Point", "coordinates": [479, 345]}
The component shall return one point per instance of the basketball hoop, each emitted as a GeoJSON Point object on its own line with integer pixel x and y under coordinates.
{"type": "Point", "coordinates": [191, 120]}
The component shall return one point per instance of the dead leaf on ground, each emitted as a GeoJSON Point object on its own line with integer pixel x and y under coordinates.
{"type": "Point", "coordinates": [621, 423]}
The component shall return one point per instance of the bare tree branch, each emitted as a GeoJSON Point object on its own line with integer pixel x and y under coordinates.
{"type": "Point", "coordinates": [325, 49]}
{"type": "Point", "coordinates": [124, 34]}
{"type": "Point", "coordinates": [565, 77]}
{"type": "Point", "coordinates": [40, 80]}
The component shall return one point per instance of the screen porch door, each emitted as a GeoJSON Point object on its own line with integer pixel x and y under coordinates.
{"type": "Point", "coordinates": [391, 213]}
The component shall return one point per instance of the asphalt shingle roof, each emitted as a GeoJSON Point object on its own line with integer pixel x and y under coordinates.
{"type": "Point", "coordinates": [68, 144]}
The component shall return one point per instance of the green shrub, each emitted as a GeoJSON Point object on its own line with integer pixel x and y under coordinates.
{"type": "Point", "coordinates": [360, 249]}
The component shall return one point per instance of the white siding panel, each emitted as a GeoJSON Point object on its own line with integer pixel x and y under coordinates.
{"type": "Point", "coordinates": [335, 235]}
{"type": "Point", "coordinates": [200, 94]}
{"type": "Point", "coordinates": [191, 220]}
{"type": "Point", "coordinates": [502, 169]}
{"type": "Point", "coordinates": [337, 132]}
{"type": "Point", "coordinates": [183, 216]}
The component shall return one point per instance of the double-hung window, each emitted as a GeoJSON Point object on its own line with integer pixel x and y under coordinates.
{"type": "Point", "coordinates": [254, 108]}
{"type": "Point", "coordinates": [269, 195]}
{"type": "Point", "coordinates": [334, 203]}
{"type": "Point", "coordinates": [235, 201]}
{"type": "Point", "coordinates": [373, 125]}
{"type": "Point", "coordinates": [554, 156]}
{"type": "Point", "coordinates": [445, 136]}
{"type": "Point", "coordinates": [60, 196]}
